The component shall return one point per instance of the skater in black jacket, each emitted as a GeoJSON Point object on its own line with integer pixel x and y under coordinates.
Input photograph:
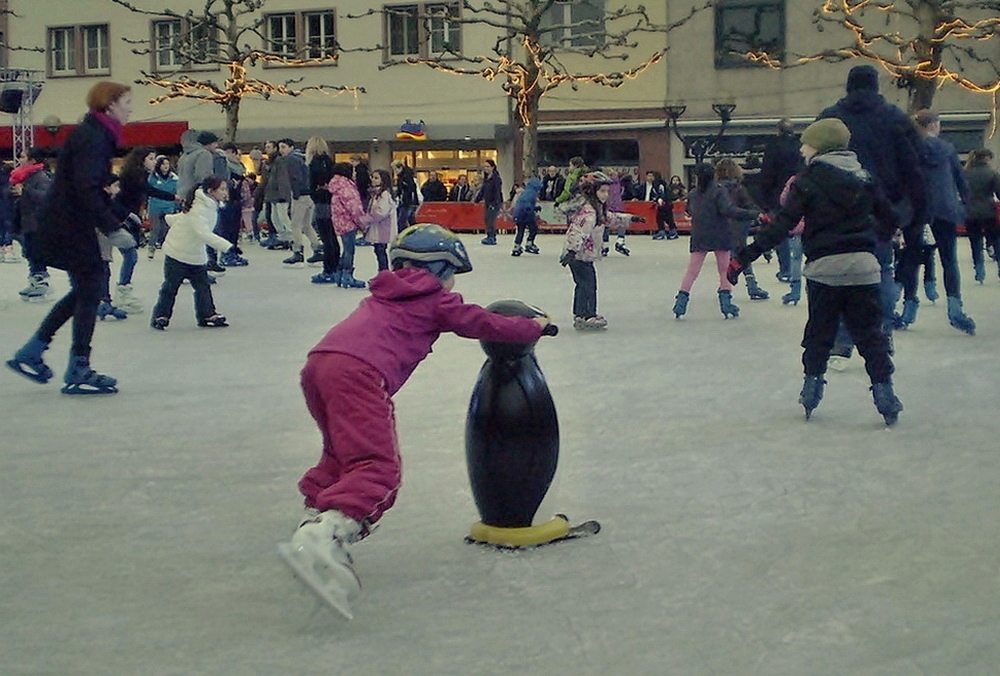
{"type": "Point", "coordinates": [845, 215]}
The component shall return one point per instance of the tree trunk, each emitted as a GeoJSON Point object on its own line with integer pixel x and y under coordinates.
{"type": "Point", "coordinates": [929, 16]}
{"type": "Point", "coordinates": [232, 110]}
{"type": "Point", "coordinates": [529, 138]}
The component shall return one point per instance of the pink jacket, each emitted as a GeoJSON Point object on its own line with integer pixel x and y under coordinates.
{"type": "Point", "coordinates": [380, 221]}
{"type": "Point", "coordinates": [345, 205]}
{"type": "Point", "coordinates": [394, 328]}
{"type": "Point", "coordinates": [801, 225]}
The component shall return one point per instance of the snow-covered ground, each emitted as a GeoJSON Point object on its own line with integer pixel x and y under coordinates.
{"type": "Point", "coordinates": [139, 530]}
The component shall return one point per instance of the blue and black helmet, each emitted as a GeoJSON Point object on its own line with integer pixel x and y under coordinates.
{"type": "Point", "coordinates": [431, 247]}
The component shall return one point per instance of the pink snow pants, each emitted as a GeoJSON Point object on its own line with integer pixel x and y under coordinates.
{"type": "Point", "coordinates": [359, 472]}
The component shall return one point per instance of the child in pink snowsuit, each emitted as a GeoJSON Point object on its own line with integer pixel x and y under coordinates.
{"type": "Point", "coordinates": [351, 375]}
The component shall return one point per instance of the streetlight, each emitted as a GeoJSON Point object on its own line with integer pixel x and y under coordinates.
{"type": "Point", "coordinates": [700, 146]}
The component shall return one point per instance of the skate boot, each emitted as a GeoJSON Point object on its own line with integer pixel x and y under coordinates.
{"type": "Point", "coordinates": [37, 291]}
{"type": "Point", "coordinates": [980, 272]}
{"type": "Point", "coordinates": [326, 278]}
{"type": "Point", "coordinates": [347, 280]}
{"type": "Point", "coordinates": [958, 318]}
{"type": "Point", "coordinates": [726, 304]}
{"type": "Point", "coordinates": [216, 321]}
{"type": "Point", "coordinates": [621, 248]}
{"type": "Point", "coordinates": [595, 323]}
{"type": "Point", "coordinates": [10, 255]}
{"type": "Point", "coordinates": [28, 361]}
{"type": "Point", "coordinates": [909, 314]}
{"type": "Point", "coordinates": [489, 241]}
{"type": "Point", "coordinates": [794, 295]}
{"type": "Point", "coordinates": [81, 379]}
{"type": "Point", "coordinates": [316, 258]}
{"type": "Point", "coordinates": [126, 300]}
{"type": "Point", "coordinates": [160, 323]}
{"type": "Point", "coordinates": [531, 248]}
{"type": "Point", "coordinates": [811, 394]}
{"type": "Point", "coordinates": [681, 304]}
{"type": "Point", "coordinates": [754, 291]}
{"type": "Point", "coordinates": [886, 402]}
{"type": "Point", "coordinates": [516, 251]}
{"type": "Point", "coordinates": [930, 290]}
{"type": "Point", "coordinates": [296, 260]}
{"type": "Point", "coordinates": [318, 555]}
{"type": "Point", "coordinates": [106, 309]}
{"type": "Point", "coordinates": [605, 251]}
{"type": "Point", "coordinates": [231, 259]}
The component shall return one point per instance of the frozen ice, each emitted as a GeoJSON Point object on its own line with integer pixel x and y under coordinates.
{"type": "Point", "coordinates": [139, 531]}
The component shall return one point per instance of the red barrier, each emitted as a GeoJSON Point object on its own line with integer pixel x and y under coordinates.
{"type": "Point", "coordinates": [469, 217]}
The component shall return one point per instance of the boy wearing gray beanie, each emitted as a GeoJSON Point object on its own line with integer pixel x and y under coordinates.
{"type": "Point", "coordinates": [844, 213]}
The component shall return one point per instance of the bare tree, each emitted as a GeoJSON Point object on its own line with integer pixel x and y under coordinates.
{"type": "Point", "coordinates": [531, 43]}
{"type": "Point", "coordinates": [220, 34]}
{"type": "Point", "coordinates": [922, 44]}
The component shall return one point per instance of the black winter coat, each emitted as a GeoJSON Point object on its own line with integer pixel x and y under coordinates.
{"type": "Point", "coordinates": [320, 173]}
{"type": "Point", "coordinates": [781, 161]}
{"type": "Point", "coordinates": [77, 202]}
{"type": "Point", "coordinates": [887, 146]}
{"type": "Point", "coordinates": [844, 212]}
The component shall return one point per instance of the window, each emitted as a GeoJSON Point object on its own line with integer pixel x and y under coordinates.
{"type": "Point", "coordinates": [183, 44]}
{"type": "Point", "coordinates": [574, 23]}
{"type": "Point", "coordinates": [426, 29]}
{"type": "Point", "coordinates": [79, 50]}
{"type": "Point", "coordinates": [743, 26]}
{"type": "Point", "coordinates": [305, 35]}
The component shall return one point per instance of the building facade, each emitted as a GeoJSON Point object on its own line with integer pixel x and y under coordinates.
{"type": "Point", "coordinates": [455, 121]}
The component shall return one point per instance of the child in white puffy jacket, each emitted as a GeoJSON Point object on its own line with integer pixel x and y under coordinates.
{"type": "Point", "coordinates": [185, 256]}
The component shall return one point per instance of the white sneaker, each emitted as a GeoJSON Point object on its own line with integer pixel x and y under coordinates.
{"type": "Point", "coordinates": [9, 255]}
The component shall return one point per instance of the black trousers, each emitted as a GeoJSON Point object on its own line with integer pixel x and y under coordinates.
{"type": "Point", "coordinates": [585, 293]}
{"type": "Point", "coordinates": [323, 225]}
{"type": "Point", "coordinates": [861, 310]}
{"type": "Point", "coordinates": [80, 304]}
{"type": "Point", "coordinates": [174, 274]}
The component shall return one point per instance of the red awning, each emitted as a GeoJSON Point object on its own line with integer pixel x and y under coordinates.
{"type": "Point", "coordinates": [136, 134]}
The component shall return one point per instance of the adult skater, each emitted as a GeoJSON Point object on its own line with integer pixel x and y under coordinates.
{"type": "Point", "coordinates": [68, 224]}
{"type": "Point", "coordinates": [843, 209]}
{"type": "Point", "coordinates": [348, 382]}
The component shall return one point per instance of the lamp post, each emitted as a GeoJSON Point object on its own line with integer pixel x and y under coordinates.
{"type": "Point", "coordinates": [701, 146]}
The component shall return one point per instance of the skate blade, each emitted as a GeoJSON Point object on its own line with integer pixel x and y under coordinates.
{"type": "Point", "coordinates": [299, 564]}
{"type": "Point", "coordinates": [21, 369]}
{"type": "Point", "coordinates": [83, 388]}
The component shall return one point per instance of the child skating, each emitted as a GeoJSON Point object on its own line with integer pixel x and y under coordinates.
{"type": "Point", "coordinates": [348, 382]}
{"type": "Point", "coordinates": [588, 217]}
{"type": "Point", "coordinates": [185, 256]}
{"type": "Point", "coordinates": [710, 208]}
{"type": "Point", "coordinates": [843, 212]}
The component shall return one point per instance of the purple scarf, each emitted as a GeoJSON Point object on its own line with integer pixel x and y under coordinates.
{"type": "Point", "coordinates": [110, 123]}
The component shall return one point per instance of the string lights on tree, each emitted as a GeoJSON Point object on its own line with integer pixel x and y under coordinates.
{"type": "Point", "coordinates": [533, 37]}
{"type": "Point", "coordinates": [922, 44]}
{"type": "Point", "coordinates": [219, 36]}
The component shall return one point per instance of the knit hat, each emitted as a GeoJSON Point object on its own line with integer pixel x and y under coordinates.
{"type": "Point", "coordinates": [206, 137]}
{"type": "Point", "coordinates": [862, 77]}
{"type": "Point", "coordinates": [828, 134]}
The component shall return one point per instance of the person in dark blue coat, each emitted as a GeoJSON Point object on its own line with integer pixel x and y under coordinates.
{"type": "Point", "coordinates": [76, 209]}
{"type": "Point", "coordinates": [886, 143]}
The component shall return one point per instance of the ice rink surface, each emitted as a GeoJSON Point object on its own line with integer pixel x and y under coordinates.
{"type": "Point", "coordinates": [139, 531]}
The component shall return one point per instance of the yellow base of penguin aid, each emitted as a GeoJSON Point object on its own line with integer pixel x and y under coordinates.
{"type": "Point", "coordinates": [530, 536]}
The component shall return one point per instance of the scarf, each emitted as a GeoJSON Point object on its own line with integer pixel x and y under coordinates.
{"type": "Point", "coordinates": [109, 123]}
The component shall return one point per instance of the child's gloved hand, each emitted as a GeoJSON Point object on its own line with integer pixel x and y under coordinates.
{"type": "Point", "coordinates": [565, 259]}
{"type": "Point", "coordinates": [734, 270]}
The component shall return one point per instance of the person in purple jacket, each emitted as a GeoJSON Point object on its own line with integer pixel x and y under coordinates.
{"type": "Point", "coordinates": [348, 382]}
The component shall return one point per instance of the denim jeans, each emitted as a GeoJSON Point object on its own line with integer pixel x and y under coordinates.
{"type": "Point", "coordinates": [405, 217]}
{"type": "Point", "coordinates": [945, 235]}
{"type": "Point", "coordinates": [490, 216]}
{"type": "Point", "coordinates": [886, 294]}
{"type": "Point", "coordinates": [794, 251]}
{"type": "Point", "coordinates": [158, 230]}
{"type": "Point", "coordinates": [347, 248]}
{"type": "Point", "coordinates": [129, 258]}
{"type": "Point", "coordinates": [585, 292]}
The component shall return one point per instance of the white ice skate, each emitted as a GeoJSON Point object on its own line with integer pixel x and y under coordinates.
{"type": "Point", "coordinates": [319, 557]}
{"type": "Point", "coordinates": [126, 300]}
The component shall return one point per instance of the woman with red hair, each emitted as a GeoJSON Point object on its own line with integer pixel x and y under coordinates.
{"type": "Point", "coordinates": [76, 209]}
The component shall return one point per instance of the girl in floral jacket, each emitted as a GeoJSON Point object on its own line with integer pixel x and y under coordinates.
{"type": "Point", "coordinates": [584, 235]}
{"type": "Point", "coordinates": [346, 212]}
